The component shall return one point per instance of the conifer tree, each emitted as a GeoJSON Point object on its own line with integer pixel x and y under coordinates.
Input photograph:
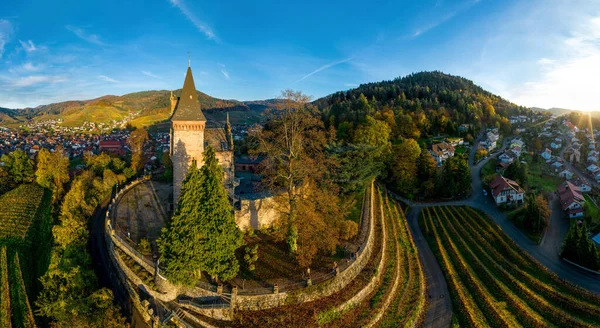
{"type": "Point", "coordinates": [178, 243]}
{"type": "Point", "coordinates": [202, 235]}
{"type": "Point", "coordinates": [219, 234]}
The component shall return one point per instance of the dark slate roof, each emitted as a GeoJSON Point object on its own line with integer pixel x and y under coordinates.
{"type": "Point", "coordinates": [188, 107]}
{"type": "Point", "coordinates": [216, 138]}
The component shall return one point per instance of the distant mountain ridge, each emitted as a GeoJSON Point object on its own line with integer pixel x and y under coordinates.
{"type": "Point", "coordinates": [153, 106]}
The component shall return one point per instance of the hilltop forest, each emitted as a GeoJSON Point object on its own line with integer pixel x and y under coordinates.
{"type": "Point", "coordinates": [388, 125]}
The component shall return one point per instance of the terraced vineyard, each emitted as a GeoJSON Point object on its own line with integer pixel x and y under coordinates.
{"type": "Point", "coordinates": [493, 283]}
{"type": "Point", "coordinates": [21, 309]}
{"type": "Point", "coordinates": [18, 208]}
{"type": "Point", "coordinates": [388, 292]}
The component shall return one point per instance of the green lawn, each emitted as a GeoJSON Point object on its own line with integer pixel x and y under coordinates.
{"type": "Point", "coordinates": [539, 177]}
{"type": "Point", "coordinates": [460, 150]}
{"type": "Point", "coordinates": [592, 214]}
{"type": "Point", "coordinates": [489, 168]}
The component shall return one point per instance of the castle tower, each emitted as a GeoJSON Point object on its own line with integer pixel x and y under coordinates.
{"type": "Point", "coordinates": [187, 133]}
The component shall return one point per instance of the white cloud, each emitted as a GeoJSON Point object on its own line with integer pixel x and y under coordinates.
{"type": "Point", "coordinates": [30, 80]}
{"type": "Point", "coordinates": [28, 45]}
{"type": "Point", "coordinates": [147, 73]}
{"type": "Point", "coordinates": [570, 81]}
{"type": "Point", "coordinates": [6, 31]}
{"type": "Point", "coordinates": [225, 73]}
{"type": "Point", "coordinates": [31, 67]}
{"type": "Point", "coordinates": [324, 67]}
{"type": "Point", "coordinates": [445, 18]}
{"type": "Point", "coordinates": [107, 79]}
{"type": "Point", "coordinates": [201, 26]}
{"type": "Point", "coordinates": [82, 34]}
{"type": "Point", "coordinates": [545, 62]}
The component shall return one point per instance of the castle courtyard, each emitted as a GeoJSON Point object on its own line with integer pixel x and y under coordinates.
{"type": "Point", "coordinates": [142, 211]}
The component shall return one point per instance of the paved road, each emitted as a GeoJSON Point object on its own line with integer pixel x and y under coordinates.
{"type": "Point", "coordinates": [556, 230]}
{"type": "Point", "coordinates": [439, 312]}
{"type": "Point", "coordinates": [546, 253]}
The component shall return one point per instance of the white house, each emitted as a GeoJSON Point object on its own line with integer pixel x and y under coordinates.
{"type": "Point", "coordinates": [555, 145]}
{"type": "Point", "coordinates": [571, 199]}
{"type": "Point", "coordinates": [557, 166]}
{"type": "Point", "coordinates": [583, 184]}
{"type": "Point", "coordinates": [592, 159]}
{"type": "Point", "coordinates": [506, 191]}
{"type": "Point", "coordinates": [517, 143]}
{"type": "Point", "coordinates": [442, 151]}
{"type": "Point", "coordinates": [593, 168]}
{"type": "Point", "coordinates": [547, 154]}
{"type": "Point", "coordinates": [566, 174]}
{"type": "Point", "coordinates": [507, 157]}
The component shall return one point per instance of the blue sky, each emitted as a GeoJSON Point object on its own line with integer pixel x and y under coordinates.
{"type": "Point", "coordinates": [535, 53]}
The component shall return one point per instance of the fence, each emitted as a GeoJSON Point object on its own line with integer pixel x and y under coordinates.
{"type": "Point", "coordinates": [118, 238]}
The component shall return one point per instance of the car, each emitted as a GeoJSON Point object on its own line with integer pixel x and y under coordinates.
{"type": "Point", "coordinates": [484, 192]}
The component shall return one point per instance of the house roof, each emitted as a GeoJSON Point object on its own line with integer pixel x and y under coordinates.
{"type": "Point", "coordinates": [569, 193]}
{"type": "Point", "coordinates": [110, 143]}
{"type": "Point", "coordinates": [188, 106]}
{"type": "Point", "coordinates": [501, 184]}
{"type": "Point", "coordinates": [442, 147]}
{"type": "Point", "coordinates": [596, 239]}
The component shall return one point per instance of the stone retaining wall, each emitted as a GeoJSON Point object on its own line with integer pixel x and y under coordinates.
{"type": "Point", "coordinates": [320, 290]}
{"type": "Point", "coordinates": [167, 292]}
{"type": "Point", "coordinates": [376, 279]}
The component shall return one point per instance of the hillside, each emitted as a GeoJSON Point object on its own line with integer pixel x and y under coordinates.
{"type": "Point", "coordinates": [152, 106]}
{"type": "Point", "coordinates": [429, 102]}
{"type": "Point", "coordinates": [9, 116]}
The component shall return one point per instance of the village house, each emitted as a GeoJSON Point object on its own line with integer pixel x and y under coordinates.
{"type": "Point", "coordinates": [547, 154]}
{"type": "Point", "coordinates": [557, 166]}
{"type": "Point", "coordinates": [583, 184]}
{"type": "Point", "coordinates": [571, 199]}
{"type": "Point", "coordinates": [517, 142]}
{"type": "Point", "coordinates": [507, 157]}
{"type": "Point", "coordinates": [593, 168]}
{"type": "Point", "coordinates": [441, 151]}
{"type": "Point", "coordinates": [506, 191]}
{"type": "Point", "coordinates": [566, 174]}
{"type": "Point", "coordinates": [465, 127]}
{"type": "Point", "coordinates": [455, 141]}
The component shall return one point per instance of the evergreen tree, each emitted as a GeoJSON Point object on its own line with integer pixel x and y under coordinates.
{"type": "Point", "coordinates": [178, 243]}
{"type": "Point", "coordinates": [579, 248]}
{"type": "Point", "coordinates": [219, 234]}
{"type": "Point", "coordinates": [202, 235]}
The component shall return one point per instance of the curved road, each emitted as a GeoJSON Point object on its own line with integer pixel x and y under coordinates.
{"type": "Point", "coordinates": [440, 309]}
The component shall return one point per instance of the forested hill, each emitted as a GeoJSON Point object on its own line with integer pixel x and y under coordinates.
{"type": "Point", "coordinates": [425, 103]}
{"type": "Point", "coordinates": [152, 106]}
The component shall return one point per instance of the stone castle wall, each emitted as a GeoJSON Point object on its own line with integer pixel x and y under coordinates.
{"type": "Point", "coordinates": [167, 292]}
{"type": "Point", "coordinates": [325, 288]}
{"type": "Point", "coordinates": [256, 213]}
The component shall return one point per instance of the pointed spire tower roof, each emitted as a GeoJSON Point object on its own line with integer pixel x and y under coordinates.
{"type": "Point", "coordinates": [188, 107]}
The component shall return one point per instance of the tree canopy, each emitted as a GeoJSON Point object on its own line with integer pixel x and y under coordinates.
{"type": "Point", "coordinates": [202, 236]}
{"type": "Point", "coordinates": [298, 170]}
